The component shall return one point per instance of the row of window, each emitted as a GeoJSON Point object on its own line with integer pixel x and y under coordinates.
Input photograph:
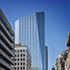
{"type": "Point", "coordinates": [19, 50]}
{"type": "Point", "coordinates": [21, 68]}
{"type": "Point", "coordinates": [17, 55]}
{"type": "Point", "coordinates": [20, 63]}
{"type": "Point", "coordinates": [21, 59]}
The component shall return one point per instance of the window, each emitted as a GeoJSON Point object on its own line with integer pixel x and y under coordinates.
{"type": "Point", "coordinates": [23, 67]}
{"type": "Point", "coordinates": [17, 63]}
{"type": "Point", "coordinates": [23, 59]}
{"type": "Point", "coordinates": [18, 55]}
{"type": "Point", "coordinates": [24, 63]}
{"type": "Point", "coordinates": [20, 50]}
{"type": "Point", "coordinates": [20, 68]}
{"type": "Point", "coordinates": [23, 50]}
{"type": "Point", "coordinates": [21, 63]}
{"type": "Point", "coordinates": [15, 68]}
{"type": "Point", "coordinates": [18, 59]}
{"type": "Point", "coordinates": [15, 59]}
{"type": "Point", "coordinates": [23, 54]}
{"type": "Point", "coordinates": [15, 55]}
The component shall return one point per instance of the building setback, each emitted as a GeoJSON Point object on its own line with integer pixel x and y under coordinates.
{"type": "Point", "coordinates": [30, 30]}
{"type": "Point", "coordinates": [7, 45]}
{"type": "Point", "coordinates": [22, 57]}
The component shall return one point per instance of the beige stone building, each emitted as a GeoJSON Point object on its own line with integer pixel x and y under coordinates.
{"type": "Point", "coordinates": [67, 62]}
{"type": "Point", "coordinates": [63, 60]}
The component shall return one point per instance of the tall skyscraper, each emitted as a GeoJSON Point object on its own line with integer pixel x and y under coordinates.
{"type": "Point", "coordinates": [7, 44]}
{"type": "Point", "coordinates": [30, 31]}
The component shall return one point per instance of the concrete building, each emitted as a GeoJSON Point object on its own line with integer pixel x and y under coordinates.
{"type": "Point", "coordinates": [7, 45]}
{"type": "Point", "coordinates": [22, 57]}
{"type": "Point", "coordinates": [30, 30]}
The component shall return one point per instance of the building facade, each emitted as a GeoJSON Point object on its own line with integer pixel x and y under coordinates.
{"type": "Point", "coordinates": [22, 57]}
{"type": "Point", "coordinates": [63, 60]}
{"type": "Point", "coordinates": [7, 45]}
{"type": "Point", "coordinates": [30, 31]}
{"type": "Point", "coordinates": [46, 58]}
{"type": "Point", "coordinates": [67, 62]}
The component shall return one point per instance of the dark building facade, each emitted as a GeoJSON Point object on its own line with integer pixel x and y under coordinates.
{"type": "Point", "coordinates": [7, 45]}
{"type": "Point", "coordinates": [46, 58]}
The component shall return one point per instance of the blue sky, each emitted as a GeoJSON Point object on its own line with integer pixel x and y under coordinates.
{"type": "Point", "coordinates": [57, 21]}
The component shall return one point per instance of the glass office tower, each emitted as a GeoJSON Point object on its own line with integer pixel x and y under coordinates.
{"type": "Point", "coordinates": [29, 30]}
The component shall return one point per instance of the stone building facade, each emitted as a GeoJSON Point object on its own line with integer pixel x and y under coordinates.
{"type": "Point", "coordinates": [67, 62]}
{"type": "Point", "coordinates": [63, 60]}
